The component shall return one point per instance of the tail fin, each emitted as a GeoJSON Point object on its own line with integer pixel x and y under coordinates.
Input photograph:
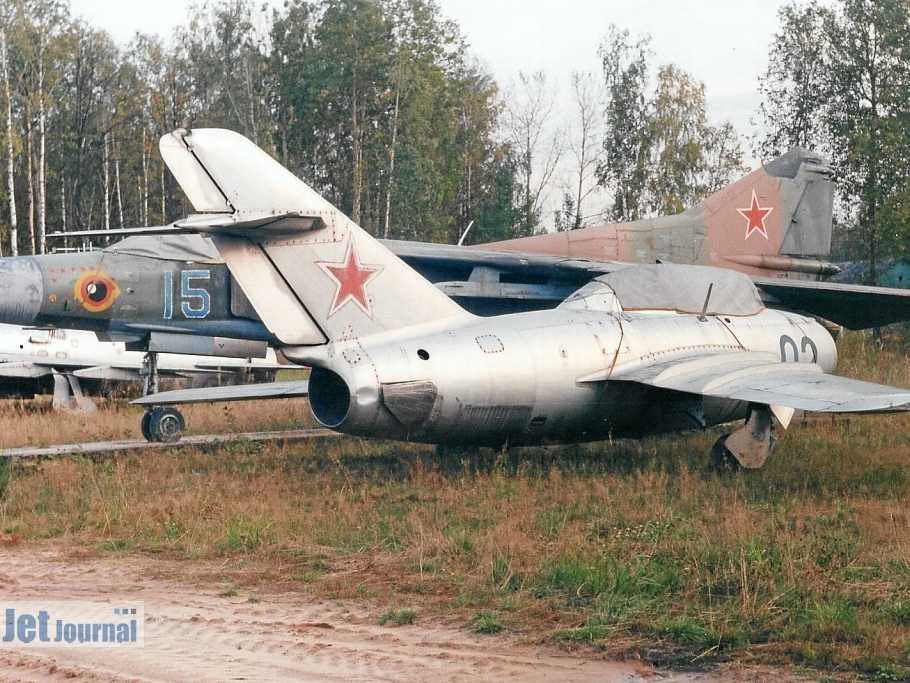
{"type": "Point", "coordinates": [775, 221]}
{"type": "Point", "coordinates": [310, 272]}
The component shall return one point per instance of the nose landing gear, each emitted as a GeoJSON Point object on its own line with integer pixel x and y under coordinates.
{"type": "Point", "coordinates": [750, 445]}
{"type": "Point", "coordinates": [159, 423]}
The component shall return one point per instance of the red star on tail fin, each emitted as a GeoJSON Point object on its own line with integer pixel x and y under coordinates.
{"type": "Point", "coordinates": [755, 217]}
{"type": "Point", "coordinates": [351, 278]}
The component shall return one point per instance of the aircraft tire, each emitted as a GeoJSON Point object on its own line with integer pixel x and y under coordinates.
{"type": "Point", "coordinates": [166, 424]}
{"type": "Point", "coordinates": [144, 425]}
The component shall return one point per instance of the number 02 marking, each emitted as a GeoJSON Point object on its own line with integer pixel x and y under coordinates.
{"type": "Point", "coordinates": [787, 342]}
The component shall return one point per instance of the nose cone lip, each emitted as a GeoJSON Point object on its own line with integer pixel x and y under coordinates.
{"type": "Point", "coordinates": [21, 290]}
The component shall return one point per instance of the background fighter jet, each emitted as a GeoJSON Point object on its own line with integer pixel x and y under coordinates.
{"type": "Point", "coordinates": [642, 350]}
{"type": "Point", "coordinates": [67, 362]}
{"type": "Point", "coordinates": [774, 222]}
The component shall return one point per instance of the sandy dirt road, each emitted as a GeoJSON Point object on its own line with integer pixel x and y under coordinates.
{"type": "Point", "coordinates": [194, 633]}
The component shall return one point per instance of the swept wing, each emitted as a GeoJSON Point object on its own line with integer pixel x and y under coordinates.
{"type": "Point", "coordinates": [762, 379]}
{"type": "Point", "coordinates": [856, 307]}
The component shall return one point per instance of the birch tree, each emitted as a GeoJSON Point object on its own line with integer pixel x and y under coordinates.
{"type": "Point", "coordinates": [10, 148]}
{"type": "Point", "coordinates": [536, 140]}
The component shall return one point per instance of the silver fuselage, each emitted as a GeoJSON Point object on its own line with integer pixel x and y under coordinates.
{"type": "Point", "coordinates": [520, 379]}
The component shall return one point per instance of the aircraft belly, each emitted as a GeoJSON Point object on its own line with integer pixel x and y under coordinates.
{"type": "Point", "coordinates": [486, 387]}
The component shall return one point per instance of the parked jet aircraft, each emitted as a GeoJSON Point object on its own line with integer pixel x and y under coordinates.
{"type": "Point", "coordinates": [35, 360]}
{"type": "Point", "coordinates": [640, 350]}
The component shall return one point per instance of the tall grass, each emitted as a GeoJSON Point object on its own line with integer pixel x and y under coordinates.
{"type": "Point", "coordinates": [36, 423]}
{"type": "Point", "coordinates": [631, 545]}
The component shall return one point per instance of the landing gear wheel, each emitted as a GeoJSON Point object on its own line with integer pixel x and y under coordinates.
{"type": "Point", "coordinates": [722, 460]}
{"type": "Point", "coordinates": [144, 425]}
{"type": "Point", "coordinates": [164, 424]}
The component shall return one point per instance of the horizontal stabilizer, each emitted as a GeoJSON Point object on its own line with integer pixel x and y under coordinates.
{"type": "Point", "coordinates": [292, 222]}
{"type": "Point", "coordinates": [222, 366]}
{"type": "Point", "coordinates": [119, 232]}
{"type": "Point", "coordinates": [760, 378]}
{"type": "Point", "coordinates": [243, 392]}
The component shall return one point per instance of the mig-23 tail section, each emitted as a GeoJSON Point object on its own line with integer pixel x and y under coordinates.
{"type": "Point", "coordinates": [310, 272]}
{"type": "Point", "coordinates": [774, 222]}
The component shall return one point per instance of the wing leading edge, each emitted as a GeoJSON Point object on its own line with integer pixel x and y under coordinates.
{"type": "Point", "coordinates": [856, 307]}
{"type": "Point", "coordinates": [763, 379]}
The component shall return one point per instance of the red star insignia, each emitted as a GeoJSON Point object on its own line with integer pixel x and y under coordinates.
{"type": "Point", "coordinates": [755, 217]}
{"type": "Point", "coordinates": [351, 278]}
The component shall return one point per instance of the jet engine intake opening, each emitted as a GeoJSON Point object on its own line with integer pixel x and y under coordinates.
{"type": "Point", "coordinates": [330, 397]}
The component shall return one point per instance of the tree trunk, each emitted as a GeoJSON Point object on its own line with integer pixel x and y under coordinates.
{"type": "Point", "coordinates": [63, 203]}
{"type": "Point", "coordinates": [144, 184]}
{"type": "Point", "coordinates": [119, 194]}
{"type": "Point", "coordinates": [106, 204]}
{"type": "Point", "coordinates": [63, 208]}
{"type": "Point", "coordinates": [42, 154]}
{"type": "Point", "coordinates": [388, 190]}
{"type": "Point", "coordinates": [163, 198]}
{"type": "Point", "coordinates": [358, 160]}
{"type": "Point", "coordinates": [30, 143]}
{"type": "Point", "coordinates": [10, 169]}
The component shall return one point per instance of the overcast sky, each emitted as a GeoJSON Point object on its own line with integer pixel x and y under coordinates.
{"type": "Point", "coordinates": [721, 43]}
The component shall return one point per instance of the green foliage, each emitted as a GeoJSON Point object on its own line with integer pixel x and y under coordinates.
{"type": "Point", "coordinates": [5, 477]}
{"type": "Point", "coordinates": [381, 111]}
{"type": "Point", "coordinates": [244, 533]}
{"type": "Point", "coordinates": [625, 169]}
{"type": "Point", "coordinates": [794, 82]}
{"type": "Point", "coordinates": [897, 612]}
{"type": "Point", "coordinates": [486, 623]}
{"type": "Point", "coordinates": [117, 544]}
{"type": "Point", "coordinates": [403, 617]}
{"type": "Point", "coordinates": [838, 80]}
{"type": "Point", "coordinates": [376, 103]}
{"type": "Point", "coordinates": [661, 155]}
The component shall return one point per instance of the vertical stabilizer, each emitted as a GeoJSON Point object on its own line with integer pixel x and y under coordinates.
{"type": "Point", "coordinates": [310, 272]}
